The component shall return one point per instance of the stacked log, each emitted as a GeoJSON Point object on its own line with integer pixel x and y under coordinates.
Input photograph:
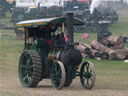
{"type": "Point", "coordinates": [98, 46]}
{"type": "Point", "coordinates": [122, 54]}
{"type": "Point", "coordinates": [96, 53]}
{"type": "Point", "coordinates": [114, 42]}
{"type": "Point", "coordinates": [104, 55]}
{"type": "Point", "coordinates": [84, 50]}
{"type": "Point", "coordinates": [109, 48]}
{"type": "Point", "coordinates": [88, 52]}
{"type": "Point", "coordinates": [119, 46]}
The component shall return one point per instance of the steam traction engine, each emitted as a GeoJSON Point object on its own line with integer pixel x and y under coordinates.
{"type": "Point", "coordinates": [48, 56]}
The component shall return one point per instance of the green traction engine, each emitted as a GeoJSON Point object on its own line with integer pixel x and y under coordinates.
{"type": "Point", "coordinates": [49, 53]}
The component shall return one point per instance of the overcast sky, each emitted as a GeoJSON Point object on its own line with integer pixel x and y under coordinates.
{"type": "Point", "coordinates": [27, 3]}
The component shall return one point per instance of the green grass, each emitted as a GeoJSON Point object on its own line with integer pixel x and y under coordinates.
{"type": "Point", "coordinates": [2, 31]}
{"type": "Point", "coordinates": [6, 20]}
{"type": "Point", "coordinates": [120, 27]}
{"type": "Point", "coordinates": [10, 50]}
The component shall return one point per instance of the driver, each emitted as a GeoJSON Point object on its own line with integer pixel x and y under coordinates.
{"type": "Point", "coordinates": [46, 33]}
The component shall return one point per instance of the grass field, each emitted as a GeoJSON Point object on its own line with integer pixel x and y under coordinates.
{"type": "Point", "coordinates": [112, 76]}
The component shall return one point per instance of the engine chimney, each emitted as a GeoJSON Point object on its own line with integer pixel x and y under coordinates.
{"type": "Point", "coordinates": [70, 28]}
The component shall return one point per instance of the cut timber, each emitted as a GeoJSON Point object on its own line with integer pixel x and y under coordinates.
{"type": "Point", "coordinates": [87, 48]}
{"type": "Point", "coordinates": [98, 46]}
{"type": "Point", "coordinates": [85, 55]}
{"type": "Point", "coordinates": [105, 42]}
{"type": "Point", "coordinates": [82, 49]}
{"type": "Point", "coordinates": [86, 45]}
{"type": "Point", "coordinates": [122, 54]}
{"type": "Point", "coordinates": [112, 55]}
{"type": "Point", "coordinates": [95, 53]}
{"type": "Point", "coordinates": [104, 55]}
{"type": "Point", "coordinates": [119, 46]}
{"type": "Point", "coordinates": [115, 40]}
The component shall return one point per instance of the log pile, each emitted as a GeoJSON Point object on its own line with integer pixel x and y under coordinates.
{"type": "Point", "coordinates": [114, 42]}
{"type": "Point", "coordinates": [109, 48]}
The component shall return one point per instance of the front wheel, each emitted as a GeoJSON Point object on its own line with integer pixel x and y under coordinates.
{"type": "Point", "coordinates": [87, 75]}
{"type": "Point", "coordinates": [58, 75]}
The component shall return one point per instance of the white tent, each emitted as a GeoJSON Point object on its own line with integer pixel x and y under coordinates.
{"type": "Point", "coordinates": [47, 3]}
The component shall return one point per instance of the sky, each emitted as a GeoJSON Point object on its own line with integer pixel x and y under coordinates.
{"type": "Point", "coordinates": [51, 2]}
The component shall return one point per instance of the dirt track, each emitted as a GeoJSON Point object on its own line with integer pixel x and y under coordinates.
{"type": "Point", "coordinates": [13, 87]}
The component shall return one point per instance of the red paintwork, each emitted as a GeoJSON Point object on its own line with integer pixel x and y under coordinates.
{"type": "Point", "coordinates": [49, 41]}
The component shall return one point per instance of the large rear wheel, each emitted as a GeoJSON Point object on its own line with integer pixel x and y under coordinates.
{"type": "Point", "coordinates": [30, 68]}
{"type": "Point", "coordinates": [58, 75]}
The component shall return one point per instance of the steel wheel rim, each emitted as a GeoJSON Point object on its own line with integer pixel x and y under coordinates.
{"type": "Point", "coordinates": [87, 75]}
{"type": "Point", "coordinates": [26, 69]}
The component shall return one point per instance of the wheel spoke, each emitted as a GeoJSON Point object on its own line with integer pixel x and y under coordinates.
{"type": "Point", "coordinates": [55, 80]}
{"type": "Point", "coordinates": [26, 56]}
{"type": "Point", "coordinates": [91, 71]}
{"type": "Point", "coordinates": [55, 68]}
{"type": "Point", "coordinates": [54, 73]}
{"type": "Point", "coordinates": [87, 66]}
{"type": "Point", "coordinates": [29, 78]}
{"type": "Point", "coordinates": [23, 66]}
{"type": "Point", "coordinates": [59, 80]}
{"type": "Point", "coordinates": [24, 73]}
{"type": "Point", "coordinates": [26, 77]}
{"type": "Point", "coordinates": [59, 73]}
{"type": "Point", "coordinates": [31, 66]}
{"type": "Point", "coordinates": [90, 78]}
{"type": "Point", "coordinates": [84, 71]}
{"type": "Point", "coordinates": [29, 61]}
{"type": "Point", "coordinates": [87, 84]}
{"type": "Point", "coordinates": [30, 73]}
{"type": "Point", "coordinates": [84, 79]}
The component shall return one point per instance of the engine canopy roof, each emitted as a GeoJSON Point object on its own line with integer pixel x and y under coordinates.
{"type": "Point", "coordinates": [46, 21]}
